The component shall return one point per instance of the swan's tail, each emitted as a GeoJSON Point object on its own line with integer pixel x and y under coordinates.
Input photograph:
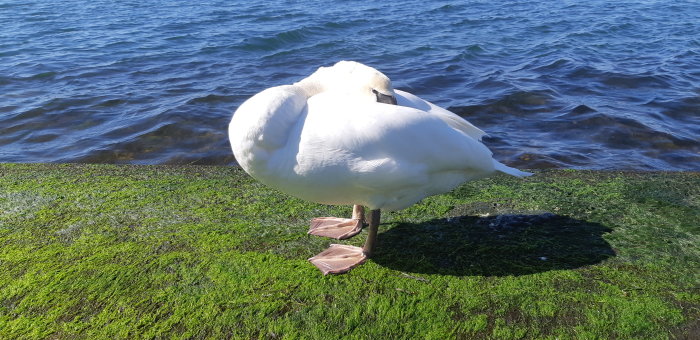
{"type": "Point", "coordinates": [508, 170]}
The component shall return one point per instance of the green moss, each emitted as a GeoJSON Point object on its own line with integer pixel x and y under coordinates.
{"type": "Point", "coordinates": [102, 251]}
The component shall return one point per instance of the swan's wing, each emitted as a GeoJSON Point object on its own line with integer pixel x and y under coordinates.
{"type": "Point", "coordinates": [384, 146]}
{"type": "Point", "coordinates": [262, 127]}
{"type": "Point", "coordinates": [263, 121]}
{"type": "Point", "coordinates": [407, 99]}
{"type": "Point", "coordinates": [404, 98]}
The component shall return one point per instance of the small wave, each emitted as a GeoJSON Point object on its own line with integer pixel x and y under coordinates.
{"type": "Point", "coordinates": [353, 23]}
{"type": "Point", "coordinates": [471, 52]}
{"type": "Point", "coordinates": [112, 102]}
{"type": "Point", "coordinates": [277, 17]}
{"type": "Point", "coordinates": [44, 75]}
{"type": "Point", "coordinates": [582, 110]}
{"type": "Point", "coordinates": [40, 76]}
{"type": "Point", "coordinates": [448, 8]}
{"type": "Point", "coordinates": [41, 138]}
{"type": "Point", "coordinates": [561, 64]}
{"type": "Point", "coordinates": [278, 40]}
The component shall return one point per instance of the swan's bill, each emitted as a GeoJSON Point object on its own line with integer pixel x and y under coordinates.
{"type": "Point", "coordinates": [384, 98]}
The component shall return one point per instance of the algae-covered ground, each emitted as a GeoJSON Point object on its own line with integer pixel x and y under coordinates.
{"type": "Point", "coordinates": [104, 251]}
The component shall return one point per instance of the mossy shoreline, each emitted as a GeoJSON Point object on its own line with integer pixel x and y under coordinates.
{"type": "Point", "coordinates": [125, 251]}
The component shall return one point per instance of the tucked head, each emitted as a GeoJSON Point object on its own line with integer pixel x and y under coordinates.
{"type": "Point", "coordinates": [355, 79]}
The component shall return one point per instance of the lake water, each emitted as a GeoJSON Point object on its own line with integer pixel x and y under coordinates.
{"type": "Point", "coordinates": [556, 84]}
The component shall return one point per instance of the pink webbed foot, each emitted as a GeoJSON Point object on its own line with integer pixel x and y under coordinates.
{"type": "Point", "coordinates": [338, 259]}
{"type": "Point", "coordinates": [337, 228]}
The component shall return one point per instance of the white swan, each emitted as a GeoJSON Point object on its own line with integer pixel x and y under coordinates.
{"type": "Point", "coordinates": [335, 138]}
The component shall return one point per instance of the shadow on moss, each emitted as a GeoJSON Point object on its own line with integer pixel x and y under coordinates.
{"type": "Point", "coordinates": [501, 245]}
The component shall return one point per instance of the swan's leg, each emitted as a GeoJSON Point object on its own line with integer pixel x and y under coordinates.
{"type": "Point", "coordinates": [358, 212]}
{"type": "Point", "coordinates": [374, 218]}
{"type": "Point", "coordinates": [339, 228]}
{"type": "Point", "coordinates": [339, 258]}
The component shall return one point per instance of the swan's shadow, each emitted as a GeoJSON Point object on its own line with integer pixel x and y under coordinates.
{"type": "Point", "coordinates": [512, 244]}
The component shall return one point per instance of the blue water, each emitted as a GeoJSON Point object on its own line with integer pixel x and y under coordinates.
{"type": "Point", "coordinates": [564, 84]}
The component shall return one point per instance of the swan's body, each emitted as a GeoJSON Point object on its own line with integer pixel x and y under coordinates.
{"type": "Point", "coordinates": [326, 139]}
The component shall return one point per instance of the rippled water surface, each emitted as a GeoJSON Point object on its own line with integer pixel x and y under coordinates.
{"type": "Point", "coordinates": [569, 84]}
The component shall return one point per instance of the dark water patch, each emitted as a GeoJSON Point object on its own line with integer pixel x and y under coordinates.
{"type": "Point", "coordinates": [212, 99]}
{"type": "Point", "coordinates": [634, 81]}
{"type": "Point", "coordinates": [514, 104]}
{"type": "Point", "coordinates": [544, 161]}
{"type": "Point", "coordinates": [53, 107]}
{"type": "Point", "coordinates": [160, 143]}
{"type": "Point", "coordinates": [8, 109]}
{"type": "Point", "coordinates": [684, 109]}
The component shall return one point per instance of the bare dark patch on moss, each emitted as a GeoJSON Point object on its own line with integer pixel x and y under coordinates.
{"type": "Point", "coordinates": [497, 245]}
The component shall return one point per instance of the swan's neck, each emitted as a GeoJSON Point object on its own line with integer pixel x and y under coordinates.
{"type": "Point", "coordinates": [310, 86]}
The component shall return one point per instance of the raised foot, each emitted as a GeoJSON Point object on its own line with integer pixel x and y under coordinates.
{"type": "Point", "coordinates": [337, 228]}
{"type": "Point", "coordinates": [338, 259]}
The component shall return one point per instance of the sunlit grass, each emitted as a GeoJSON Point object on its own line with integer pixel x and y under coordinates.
{"type": "Point", "coordinates": [98, 251]}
